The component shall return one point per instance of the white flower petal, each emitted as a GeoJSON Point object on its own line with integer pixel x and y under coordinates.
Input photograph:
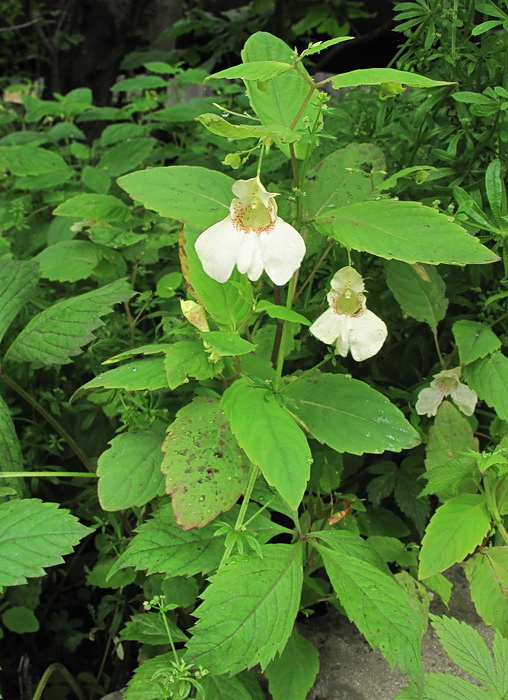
{"type": "Point", "coordinates": [347, 277]}
{"type": "Point", "coordinates": [429, 400]}
{"type": "Point", "coordinates": [465, 398]}
{"type": "Point", "coordinates": [368, 333]}
{"type": "Point", "coordinates": [249, 259]}
{"type": "Point", "coordinates": [282, 251]}
{"type": "Point", "coordinates": [250, 189]}
{"type": "Point", "coordinates": [328, 326]}
{"type": "Point", "coordinates": [343, 344]}
{"type": "Point", "coordinates": [217, 248]}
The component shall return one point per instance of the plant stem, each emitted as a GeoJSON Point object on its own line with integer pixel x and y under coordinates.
{"type": "Point", "coordinates": [50, 419]}
{"type": "Point", "coordinates": [8, 475]}
{"type": "Point", "coordinates": [254, 471]}
{"type": "Point", "coordinates": [65, 673]}
{"type": "Point", "coordinates": [283, 335]}
{"type": "Point", "coordinates": [314, 270]}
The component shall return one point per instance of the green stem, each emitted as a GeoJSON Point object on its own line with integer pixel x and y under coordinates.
{"type": "Point", "coordinates": [282, 346]}
{"type": "Point", "coordinates": [314, 269]}
{"type": "Point", "coordinates": [254, 472]}
{"type": "Point", "coordinates": [9, 475]}
{"type": "Point", "coordinates": [52, 421]}
{"type": "Point", "coordinates": [65, 673]}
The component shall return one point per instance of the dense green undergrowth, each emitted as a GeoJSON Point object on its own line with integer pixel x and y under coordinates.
{"type": "Point", "coordinates": [236, 416]}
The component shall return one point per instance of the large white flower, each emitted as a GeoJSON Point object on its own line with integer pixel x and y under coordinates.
{"type": "Point", "coordinates": [446, 383]}
{"type": "Point", "coordinates": [348, 323]}
{"type": "Point", "coordinates": [252, 237]}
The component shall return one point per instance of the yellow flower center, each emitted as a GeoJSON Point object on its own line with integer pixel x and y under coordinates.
{"type": "Point", "coordinates": [348, 303]}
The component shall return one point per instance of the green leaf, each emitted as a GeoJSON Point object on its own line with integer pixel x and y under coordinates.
{"type": "Point", "coordinates": [140, 82]}
{"type": "Point", "coordinates": [236, 632]}
{"type": "Point", "coordinates": [419, 290]}
{"type": "Point", "coordinates": [20, 620]}
{"type": "Point", "coordinates": [500, 649]}
{"type": "Point", "coordinates": [194, 195]}
{"type": "Point", "coordinates": [376, 76]}
{"type": "Point", "coordinates": [221, 127]}
{"type": "Point", "coordinates": [487, 572]}
{"type": "Point", "coordinates": [96, 180]}
{"type": "Point", "coordinates": [151, 349]}
{"type": "Point", "coordinates": [465, 646]}
{"type": "Point", "coordinates": [187, 359]}
{"type": "Point", "coordinates": [206, 472]}
{"type": "Point", "coordinates": [455, 529]}
{"type": "Point", "coordinates": [489, 378]}
{"type": "Point", "coordinates": [234, 688]}
{"type": "Point", "coordinates": [60, 332]}
{"type": "Point", "coordinates": [348, 415]}
{"type": "Point", "coordinates": [350, 544]}
{"type": "Point", "coordinates": [11, 459]}
{"type": "Point", "coordinates": [119, 133]}
{"type": "Point", "coordinates": [126, 156]}
{"type": "Point", "coordinates": [43, 532]}
{"type": "Point", "coordinates": [129, 471]}
{"type": "Point", "coordinates": [227, 343]}
{"type": "Point", "coordinates": [69, 261]}
{"type": "Point", "coordinates": [133, 376]}
{"type": "Point", "coordinates": [317, 46]}
{"type": "Point", "coordinates": [383, 611]}
{"type": "Point", "coordinates": [147, 683]}
{"type": "Point", "coordinates": [276, 311]}
{"type": "Point", "coordinates": [283, 455]}
{"type": "Point", "coordinates": [18, 280]}
{"type": "Point", "coordinates": [473, 211]}
{"type": "Point", "coordinates": [228, 304]}
{"type": "Point", "coordinates": [346, 176]}
{"type": "Point", "coordinates": [255, 70]}
{"type": "Point", "coordinates": [284, 95]}
{"type": "Point", "coordinates": [30, 160]}
{"type": "Point", "coordinates": [439, 686]}
{"type": "Point", "coordinates": [495, 187]}
{"type": "Point", "coordinates": [149, 628]}
{"type": "Point", "coordinates": [293, 673]}
{"type": "Point", "coordinates": [451, 477]}
{"type": "Point", "coordinates": [406, 231]}
{"type": "Point", "coordinates": [474, 340]}
{"type": "Point", "coordinates": [97, 207]}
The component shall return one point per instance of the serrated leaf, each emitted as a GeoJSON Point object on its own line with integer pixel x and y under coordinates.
{"type": "Point", "coordinates": [489, 378]}
{"type": "Point", "coordinates": [452, 477]}
{"type": "Point", "coordinates": [149, 628]}
{"type": "Point", "coordinates": [423, 299]}
{"type": "Point", "coordinates": [383, 611]}
{"type": "Point", "coordinates": [293, 673]}
{"type": "Point", "coordinates": [187, 358]}
{"type": "Point", "coordinates": [439, 686]}
{"type": "Point", "coordinates": [317, 46]}
{"type": "Point", "coordinates": [346, 176]}
{"type": "Point", "coordinates": [221, 127]}
{"type": "Point", "coordinates": [239, 627]}
{"type": "Point", "coordinates": [134, 376]}
{"type": "Point", "coordinates": [350, 544]}
{"type": "Point", "coordinates": [126, 156]}
{"type": "Point", "coordinates": [97, 207]}
{"type": "Point", "coordinates": [60, 332]}
{"type": "Point", "coordinates": [130, 470]}
{"type": "Point", "coordinates": [81, 258]}
{"type": "Point", "coordinates": [282, 312]}
{"type": "Point", "coordinates": [500, 650]}
{"type": "Point", "coordinates": [407, 493]}
{"type": "Point", "coordinates": [255, 70]}
{"type": "Point", "coordinates": [192, 194]}
{"type": "Point", "coordinates": [227, 343]}
{"type": "Point", "coordinates": [147, 683]}
{"type": "Point", "coordinates": [43, 532]}
{"type": "Point", "coordinates": [18, 280]}
{"type": "Point", "coordinates": [30, 160]}
{"type": "Point", "coordinates": [283, 455]}
{"type": "Point", "coordinates": [11, 459]}
{"type": "Point", "coordinates": [487, 572]}
{"type": "Point", "coordinates": [239, 687]}
{"type": "Point", "coordinates": [455, 529]}
{"type": "Point", "coordinates": [382, 228]}
{"type": "Point", "coordinates": [474, 340]}
{"type": "Point", "coordinates": [349, 416]}
{"type": "Point", "coordinates": [206, 472]}
{"type": "Point", "coordinates": [465, 646]}
{"type": "Point", "coordinates": [376, 76]}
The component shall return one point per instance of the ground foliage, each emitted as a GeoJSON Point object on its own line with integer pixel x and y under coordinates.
{"type": "Point", "coordinates": [219, 471]}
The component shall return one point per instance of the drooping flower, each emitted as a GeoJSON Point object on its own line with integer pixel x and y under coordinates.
{"type": "Point", "coordinates": [195, 314]}
{"type": "Point", "coordinates": [252, 237]}
{"type": "Point", "coordinates": [446, 383]}
{"type": "Point", "coordinates": [348, 323]}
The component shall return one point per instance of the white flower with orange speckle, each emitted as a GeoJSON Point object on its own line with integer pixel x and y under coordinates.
{"type": "Point", "coordinates": [348, 323]}
{"type": "Point", "coordinates": [446, 383]}
{"type": "Point", "coordinates": [252, 237]}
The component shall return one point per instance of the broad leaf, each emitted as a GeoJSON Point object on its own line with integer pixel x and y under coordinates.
{"type": "Point", "coordinates": [18, 280]}
{"type": "Point", "coordinates": [282, 312]}
{"type": "Point", "coordinates": [243, 686]}
{"type": "Point", "coordinates": [149, 628]}
{"type": "Point", "coordinates": [383, 611]}
{"type": "Point", "coordinates": [96, 207]}
{"type": "Point", "coordinates": [147, 683]}
{"type": "Point", "coordinates": [406, 231]}
{"type": "Point", "coordinates": [293, 673]}
{"type": "Point", "coordinates": [43, 532]}
{"type": "Point", "coordinates": [455, 529]}
{"type": "Point", "coordinates": [187, 358]}
{"type": "Point", "coordinates": [11, 459]}
{"type": "Point", "coordinates": [422, 297]}
{"type": "Point", "coordinates": [206, 472]}
{"type": "Point", "coordinates": [489, 378]}
{"type": "Point", "coordinates": [237, 631]}
{"type": "Point", "coordinates": [126, 156]}
{"type": "Point", "coordinates": [377, 76]}
{"type": "Point", "coordinates": [452, 476]}
{"type": "Point", "coordinates": [30, 160]}
{"type": "Point", "coordinates": [81, 258]}
{"type": "Point", "coordinates": [348, 415]}
{"type": "Point", "coordinates": [255, 70]}
{"type": "Point", "coordinates": [283, 454]}
{"type": "Point", "coordinates": [466, 648]}
{"type": "Point", "coordinates": [346, 176]}
{"type": "Point", "coordinates": [130, 470]}
{"type": "Point", "coordinates": [227, 343]}
{"type": "Point", "coordinates": [487, 572]}
{"type": "Point", "coordinates": [221, 127]}
{"type": "Point", "coordinates": [60, 332]}
{"type": "Point", "coordinates": [194, 195]}
{"type": "Point", "coordinates": [439, 686]}
{"type": "Point", "coordinates": [474, 340]}
{"type": "Point", "coordinates": [139, 375]}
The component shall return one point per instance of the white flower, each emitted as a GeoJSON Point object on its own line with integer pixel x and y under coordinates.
{"type": "Point", "coordinates": [348, 322]}
{"type": "Point", "coordinates": [446, 383]}
{"type": "Point", "coordinates": [252, 237]}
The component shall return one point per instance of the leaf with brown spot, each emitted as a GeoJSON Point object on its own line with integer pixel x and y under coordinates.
{"type": "Point", "coordinates": [206, 471]}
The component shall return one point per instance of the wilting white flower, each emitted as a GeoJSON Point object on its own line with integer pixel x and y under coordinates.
{"type": "Point", "coordinates": [195, 314]}
{"type": "Point", "coordinates": [348, 322]}
{"type": "Point", "coordinates": [446, 383]}
{"type": "Point", "coordinates": [252, 237]}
